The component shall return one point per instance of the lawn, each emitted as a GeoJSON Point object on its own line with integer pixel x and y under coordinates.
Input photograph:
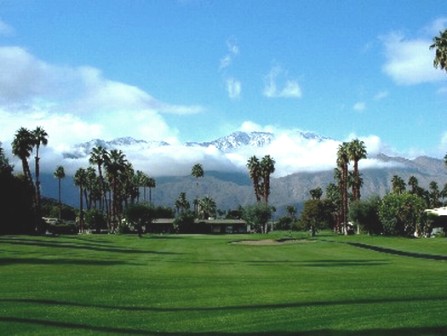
{"type": "Point", "coordinates": [205, 284]}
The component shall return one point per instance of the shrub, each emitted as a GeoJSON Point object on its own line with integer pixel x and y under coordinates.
{"type": "Point", "coordinates": [401, 214]}
{"type": "Point", "coordinates": [95, 220]}
{"type": "Point", "coordinates": [366, 215]}
{"type": "Point", "coordinates": [184, 223]}
{"type": "Point", "coordinates": [258, 216]}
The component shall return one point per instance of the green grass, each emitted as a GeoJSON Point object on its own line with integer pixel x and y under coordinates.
{"type": "Point", "coordinates": [203, 284]}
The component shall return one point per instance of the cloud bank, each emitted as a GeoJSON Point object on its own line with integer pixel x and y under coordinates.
{"type": "Point", "coordinates": [409, 61]}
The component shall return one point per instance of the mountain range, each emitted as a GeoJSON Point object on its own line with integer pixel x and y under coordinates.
{"type": "Point", "coordinates": [233, 188]}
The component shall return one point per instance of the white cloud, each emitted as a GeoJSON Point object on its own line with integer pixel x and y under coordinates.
{"type": "Point", "coordinates": [234, 88]}
{"type": "Point", "coordinates": [359, 106]}
{"type": "Point", "coordinates": [436, 26]}
{"type": "Point", "coordinates": [232, 52]}
{"type": "Point", "coordinates": [381, 95]}
{"type": "Point", "coordinates": [409, 61]}
{"type": "Point", "coordinates": [76, 104]}
{"type": "Point", "coordinates": [290, 89]}
{"type": "Point", "coordinates": [5, 29]}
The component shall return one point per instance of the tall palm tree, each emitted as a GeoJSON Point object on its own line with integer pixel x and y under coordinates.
{"type": "Point", "coordinates": [267, 168]}
{"type": "Point", "coordinates": [356, 152]}
{"type": "Point", "coordinates": [59, 173]}
{"type": "Point", "coordinates": [342, 163]}
{"type": "Point", "coordinates": [40, 137]}
{"type": "Point", "coordinates": [254, 169]}
{"type": "Point", "coordinates": [140, 181]}
{"type": "Point", "coordinates": [22, 146]}
{"type": "Point", "coordinates": [207, 207]}
{"type": "Point", "coordinates": [182, 204]}
{"type": "Point", "coordinates": [150, 183]}
{"type": "Point", "coordinates": [115, 164]}
{"type": "Point", "coordinates": [440, 46]}
{"type": "Point", "coordinates": [398, 185]}
{"type": "Point", "coordinates": [414, 184]}
{"type": "Point", "coordinates": [97, 157]}
{"type": "Point", "coordinates": [80, 180]}
{"type": "Point", "coordinates": [197, 172]}
{"type": "Point", "coordinates": [435, 194]}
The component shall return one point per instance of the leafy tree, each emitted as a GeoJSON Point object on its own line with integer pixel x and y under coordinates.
{"type": "Point", "coordinates": [140, 215]}
{"type": "Point", "coordinates": [440, 46]}
{"type": "Point", "coordinates": [356, 151]}
{"type": "Point", "coordinates": [95, 220]}
{"type": "Point", "coordinates": [5, 167]}
{"type": "Point", "coordinates": [258, 216]}
{"type": "Point", "coordinates": [316, 215]}
{"type": "Point", "coordinates": [365, 214]}
{"type": "Point", "coordinates": [16, 200]}
{"type": "Point", "coordinates": [401, 214]}
{"type": "Point", "coordinates": [284, 223]}
{"type": "Point", "coordinates": [291, 211]}
{"type": "Point", "coordinates": [316, 193]}
{"type": "Point", "coordinates": [184, 223]}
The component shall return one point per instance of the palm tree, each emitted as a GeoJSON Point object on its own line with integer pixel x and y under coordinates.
{"type": "Point", "coordinates": [414, 184]}
{"type": "Point", "coordinates": [97, 157]}
{"type": "Point", "coordinates": [435, 194]}
{"type": "Point", "coordinates": [356, 151]}
{"type": "Point", "coordinates": [40, 137]}
{"type": "Point", "coordinates": [440, 45]}
{"type": "Point", "coordinates": [59, 173]}
{"type": "Point", "coordinates": [140, 181]}
{"type": "Point", "coordinates": [115, 164]}
{"type": "Point", "coordinates": [150, 183]}
{"type": "Point", "coordinates": [197, 172]}
{"type": "Point", "coordinates": [267, 168]}
{"type": "Point", "coordinates": [254, 169]}
{"type": "Point", "coordinates": [80, 180]}
{"type": "Point", "coordinates": [207, 207]}
{"type": "Point", "coordinates": [398, 185]}
{"type": "Point", "coordinates": [182, 204]}
{"type": "Point", "coordinates": [22, 147]}
{"type": "Point", "coordinates": [342, 163]}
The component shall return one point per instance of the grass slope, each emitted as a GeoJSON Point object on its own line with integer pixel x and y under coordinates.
{"type": "Point", "coordinates": [202, 284]}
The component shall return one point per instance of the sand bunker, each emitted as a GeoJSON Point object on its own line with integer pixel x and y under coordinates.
{"type": "Point", "coordinates": [273, 242]}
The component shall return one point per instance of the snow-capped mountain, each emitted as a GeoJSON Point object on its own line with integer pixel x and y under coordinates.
{"type": "Point", "coordinates": [224, 144]}
{"type": "Point", "coordinates": [83, 150]}
{"type": "Point", "coordinates": [236, 140]}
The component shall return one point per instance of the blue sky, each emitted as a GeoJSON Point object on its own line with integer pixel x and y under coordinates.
{"type": "Point", "coordinates": [195, 70]}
